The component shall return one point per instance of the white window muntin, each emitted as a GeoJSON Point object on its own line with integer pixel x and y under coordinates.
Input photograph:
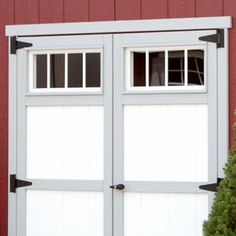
{"type": "Point", "coordinates": [48, 90]}
{"type": "Point", "coordinates": [128, 88]}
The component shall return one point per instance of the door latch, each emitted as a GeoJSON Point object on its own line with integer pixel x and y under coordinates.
{"type": "Point", "coordinates": [17, 183]}
{"type": "Point", "coordinates": [118, 186]}
{"type": "Point", "coordinates": [211, 187]}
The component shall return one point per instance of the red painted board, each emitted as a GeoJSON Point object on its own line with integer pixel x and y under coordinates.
{"type": "Point", "coordinates": [101, 10]}
{"type": "Point", "coordinates": [230, 10]}
{"type": "Point", "coordinates": [26, 12]}
{"type": "Point", "coordinates": [154, 9]}
{"type": "Point", "coordinates": [76, 10]}
{"type": "Point", "coordinates": [50, 11]}
{"type": "Point", "coordinates": [181, 8]}
{"type": "Point", "coordinates": [128, 9]}
{"type": "Point", "coordinates": [209, 8]}
{"type": "Point", "coordinates": [7, 17]}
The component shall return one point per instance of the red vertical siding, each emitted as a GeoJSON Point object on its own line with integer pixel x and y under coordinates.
{"type": "Point", "coordinates": [76, 10]}
{"type": "Point", "coordinates": [209, 8]}
{"type": "Point", "coordinates": [26, 11]}
{"type": "Point", "coordinates": [101, 10]}
{"type": "Point", "coordinates": [181, 8]}
{"type": "Point", "coordinates": [230, 9]}
{"type": "Point", "coordinates": [50, 11]}
{"type": "Point", "coordinates": [6, 17]}
{"type": "Point", "coordinates": [126, 10]}
{"type": "Point", "coordinates": [152, 8]}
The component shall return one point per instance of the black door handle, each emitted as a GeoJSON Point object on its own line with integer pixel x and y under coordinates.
{"type": "Point", "coordinates": [118, 186]}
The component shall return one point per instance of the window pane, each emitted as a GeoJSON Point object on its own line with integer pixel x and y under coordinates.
{"type": "Point", "coordinates": [157, 69]}
{"type": "Point", "coordinates": [176, 68]}
{"type": "Point", "coordinates": [57, 70]}
{"type": "Point", "coordinates": [41, 71]}
{"type": "Point", "coordinates": [75, 70]}
{"type": "Point", "coordinates": [93, 70]}
{"type": "Point", "coordinates": [139, 69]}
{"type": "Point", "coordinates": [195, 67]}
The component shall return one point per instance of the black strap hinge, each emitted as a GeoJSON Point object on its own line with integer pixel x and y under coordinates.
{"type": "Point", "coordinates": [17, 183]}
{"type": "Point", "coordinates": [218, 38]}
{"type": "Point", "coordinates": [211, 187]}
{"type": "Point", "coordinates": [18, 44]}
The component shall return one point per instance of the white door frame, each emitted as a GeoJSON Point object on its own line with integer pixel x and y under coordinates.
{"type": "Point", "coordinates": [116, 27]}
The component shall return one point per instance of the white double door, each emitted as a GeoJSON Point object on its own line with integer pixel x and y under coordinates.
{"type": "Point", "coordinates": [74, 144]}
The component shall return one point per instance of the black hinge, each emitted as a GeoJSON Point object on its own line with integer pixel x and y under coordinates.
{"type": "Point", "coordinates": [211, 187]}
{"type": "Point", "coordinates": [17, 183]}
{"type": "Point", "coordinates": [18, 44]}
{"type": "Point", "coordinates": [218, 38]}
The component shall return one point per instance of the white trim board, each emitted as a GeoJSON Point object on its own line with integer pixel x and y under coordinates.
{"type": "Point", "coordinates": [120, 26]}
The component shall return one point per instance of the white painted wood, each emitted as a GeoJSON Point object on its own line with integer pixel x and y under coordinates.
{"type": "Point", "coordinates": [64, 213]}
{"type": "Point", "coordinates": [25, 100]}
{"type": "Point", "coordinates": [186, 182]}
{"type": "Point", "coordinates": [121, 26]}
{"type": "Point", "coordinates": [65, 142]}
{"type": "Point", "coordinates": [223, 108]}
{"type": "Point", "coordinates": [164, 214]}
{"type": "Point", "coordinates": [166, 143]}
{"type": "Point", "coordinates": [12, 142]}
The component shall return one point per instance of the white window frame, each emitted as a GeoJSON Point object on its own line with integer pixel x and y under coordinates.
{"type": "Point", "coordinates": [131, 26]}
{"type": "Point", "coordinates": [128, 88]}
{"type": "Point", "coordinates": [65, 89]}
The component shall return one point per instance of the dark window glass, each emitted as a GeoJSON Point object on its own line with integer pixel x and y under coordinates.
{"type": "Point", "coordinates": [75, 70]}
{"type": "Point", "coordinates": [57, 70]}
{"type": "Point", "coordinates": [195, 67]}
{"type": "Point", "coordinates": [93, 70]}
{"type": "Point", "coordinates": [41, 71]}
{"type": "Point", "coordinates": [156, 69]}
{"type": "Point", "coordinates": [176, 68]}
{"type": "Point", "coordinates": [139, 69]}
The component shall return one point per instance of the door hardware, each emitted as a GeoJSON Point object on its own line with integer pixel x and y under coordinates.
{"type": "Point", "coordinates": [118, 186]}
{"type": "Point", "coordinates": [17, 183]}
{"type": "Point", "coordinates": [211, 187]}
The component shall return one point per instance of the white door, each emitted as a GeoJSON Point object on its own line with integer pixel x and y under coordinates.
{"type": "Point", "coordinates": [64, 133]}
{"type": "Point", "coordinates": [123, 158]}
{"type": "Point", "coordinates": [165, 138]}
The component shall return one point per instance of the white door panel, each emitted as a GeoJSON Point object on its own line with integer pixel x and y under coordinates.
{"type": "Point", "coordinates": [65, 142]}
{"type": "Point", "coordinates": [164, 147]}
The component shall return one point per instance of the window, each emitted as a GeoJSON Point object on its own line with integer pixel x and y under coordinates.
{"type": "Point", "coordinates": [165, 69]}
{"type": "Point", "coordinates": [65, 71]}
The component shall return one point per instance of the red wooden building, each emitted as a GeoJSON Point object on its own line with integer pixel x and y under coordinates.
{"type": "Point", "coordinates": [104, 51]}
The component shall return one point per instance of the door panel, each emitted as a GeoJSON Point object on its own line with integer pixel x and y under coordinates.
{"type": "Point", "coordinates": [164, 141]}
{"type": "Point", "coordinates": [65, 142]}
{"type": "Point", "coordinates": [64, 213]}
{"type": "Point", "coordinates": [164, 213]}
{"type": "Point", "coordinates": [64, 136]}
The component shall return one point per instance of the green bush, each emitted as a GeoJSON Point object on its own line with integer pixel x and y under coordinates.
{"type": "Point", "coordinates": [222, 218]}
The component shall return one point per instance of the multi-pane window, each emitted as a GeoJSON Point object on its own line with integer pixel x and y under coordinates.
{"type": "Point", "coordinates": [165, 69]}
{"type": "Point", "coordinates": [66, 71]}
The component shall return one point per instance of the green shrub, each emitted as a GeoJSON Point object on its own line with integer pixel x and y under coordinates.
{"type": "Point", "coordinates": [222, 218]}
